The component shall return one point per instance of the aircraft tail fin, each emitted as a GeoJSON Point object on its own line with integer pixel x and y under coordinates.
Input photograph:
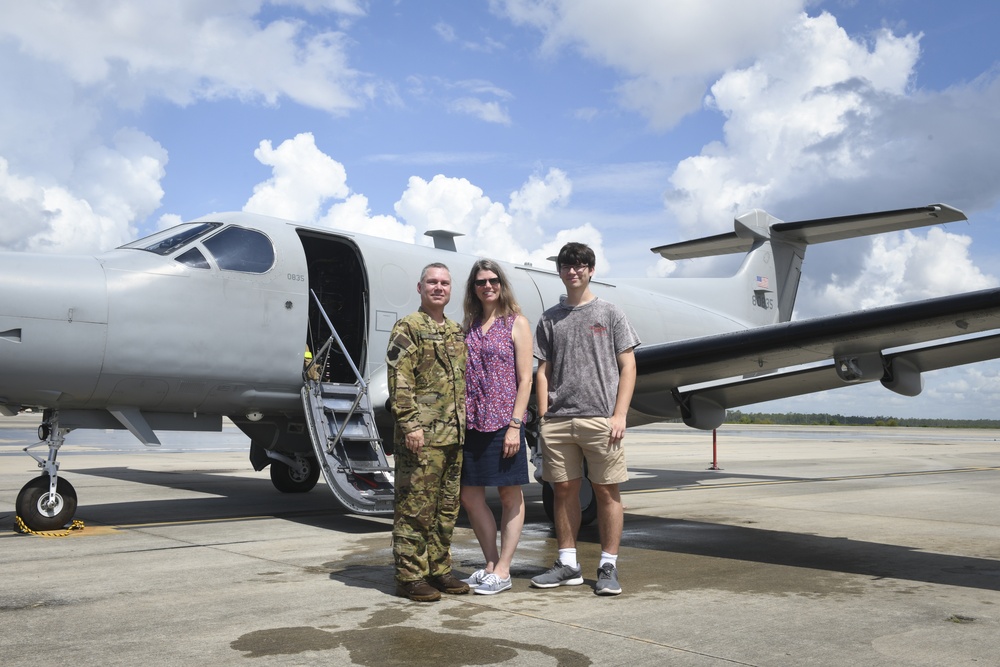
{"type": "Point", "coordinates": [775, 250]}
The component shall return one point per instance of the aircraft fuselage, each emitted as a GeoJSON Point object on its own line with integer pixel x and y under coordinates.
{"type": "Point", "coordinates": [132, 328]}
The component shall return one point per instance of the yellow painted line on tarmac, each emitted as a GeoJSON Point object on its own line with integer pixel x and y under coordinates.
{"type": "Point", "coordinates": [806, 480]}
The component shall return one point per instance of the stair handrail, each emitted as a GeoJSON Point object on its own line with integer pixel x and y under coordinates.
{"type": "Point", "coordinates": [324, 353]}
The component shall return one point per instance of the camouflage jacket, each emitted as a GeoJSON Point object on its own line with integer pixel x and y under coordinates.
{"type": "Point", "coordinates": [426, 372]}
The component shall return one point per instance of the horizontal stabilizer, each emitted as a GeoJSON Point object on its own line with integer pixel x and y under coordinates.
{"type": "Point", "coordinates": [851, 226]}
{"type": "Point", "coordinates": [709, 246]}
{"type": "Point", "coordinates": [814, 231]}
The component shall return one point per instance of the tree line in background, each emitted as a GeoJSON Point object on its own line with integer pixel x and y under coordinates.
{"type": "Point", "coordinates": [815, 419]}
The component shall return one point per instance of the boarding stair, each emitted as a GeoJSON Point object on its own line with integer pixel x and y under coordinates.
{"type": "Point", "coordinates": [344, 436]}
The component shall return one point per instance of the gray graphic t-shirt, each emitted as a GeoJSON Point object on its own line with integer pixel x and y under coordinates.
{"type": "Point", "coordinates": [581, 345]}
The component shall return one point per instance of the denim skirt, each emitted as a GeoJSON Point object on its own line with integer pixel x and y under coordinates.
{"type": "Point", "coordinates": [483, 463]}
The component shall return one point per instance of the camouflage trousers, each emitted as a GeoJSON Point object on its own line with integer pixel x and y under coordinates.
{"type": "Point", "coordinates": [427, 504]}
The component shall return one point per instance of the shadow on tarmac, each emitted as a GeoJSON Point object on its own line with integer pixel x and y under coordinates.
{"type": "Point", "coordinates": [228, 498]}
{"type": "Point", "coordinates": [242, 498]}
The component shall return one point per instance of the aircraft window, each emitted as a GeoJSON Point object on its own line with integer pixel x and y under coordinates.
{"type": "Point", "coordinates": [238, 249]}
{"type": "Point", "coordinates": [193, 258]}
{"type": "Point", "coordinates": [165, 242]}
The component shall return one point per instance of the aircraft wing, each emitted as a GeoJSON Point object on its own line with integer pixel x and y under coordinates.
{"type": "Point", "coordinates": [704, 376]}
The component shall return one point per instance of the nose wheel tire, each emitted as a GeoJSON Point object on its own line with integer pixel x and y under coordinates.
{"type": "Point", "coordinates": [42, 512]}
{"type": "Point", "coordinates": [293, 480]}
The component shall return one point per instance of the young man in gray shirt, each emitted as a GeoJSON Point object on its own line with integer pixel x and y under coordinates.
{"type": "Point", "coordinates": [584, 383]}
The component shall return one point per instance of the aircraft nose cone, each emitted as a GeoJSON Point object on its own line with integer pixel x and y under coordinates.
{"type": "Point", "coordinates": [53, 328]}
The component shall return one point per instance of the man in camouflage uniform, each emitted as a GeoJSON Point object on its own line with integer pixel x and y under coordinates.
{"type": "Point", "coordinates": [426, 372]}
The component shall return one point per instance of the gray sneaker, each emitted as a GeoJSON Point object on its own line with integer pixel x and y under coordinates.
{"type": "Point", "coordinates": [492, 584]}
{"type": "Point", "coordinates": [607, 580]}
{"type": "Point", "coordinates": [559, 575]}
{"type": "Point", "coordinates": [477, 577]}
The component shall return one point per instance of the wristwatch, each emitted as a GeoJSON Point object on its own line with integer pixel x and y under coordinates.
{"type": "Point", "coordinates": [515, 421]}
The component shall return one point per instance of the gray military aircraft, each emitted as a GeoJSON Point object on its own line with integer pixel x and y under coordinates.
{"type": "Point", "coordinates": [214, 317]}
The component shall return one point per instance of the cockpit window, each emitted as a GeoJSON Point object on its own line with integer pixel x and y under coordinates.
{"type": "Point", "coordinates": [193, 258]}
{"type": "Point", "coordinates": [169, 240]}
{"type": "Point", "coordinates": [238, 249]}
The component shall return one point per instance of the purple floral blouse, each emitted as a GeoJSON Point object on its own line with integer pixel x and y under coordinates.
{"type": "Point", "coordinates": [490, 376]}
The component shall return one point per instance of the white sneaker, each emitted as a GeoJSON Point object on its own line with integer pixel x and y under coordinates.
{"type": "Point", "coordinates": [492, 584]}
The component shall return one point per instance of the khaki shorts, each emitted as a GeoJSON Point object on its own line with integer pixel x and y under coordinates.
{"type": "Point", "coordinates": [567, 441]}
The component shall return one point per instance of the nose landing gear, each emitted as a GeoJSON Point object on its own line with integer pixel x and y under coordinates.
{"type": "Point", "coordinates": [47, 502]}
{"type": "Point", "coordinates": [41, 509]}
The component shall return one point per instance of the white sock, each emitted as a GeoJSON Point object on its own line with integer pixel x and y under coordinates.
{"type": "Point", "coordinates": [568, 557]}
{"type": "Point", "coordinates": [608, 558]}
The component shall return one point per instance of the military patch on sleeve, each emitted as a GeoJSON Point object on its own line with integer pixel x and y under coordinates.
{"type": "Point", "coordinates": [398, 346]}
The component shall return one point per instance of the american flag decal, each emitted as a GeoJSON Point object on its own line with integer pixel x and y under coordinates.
{"type": "Point", "coordinates": [762, 282]}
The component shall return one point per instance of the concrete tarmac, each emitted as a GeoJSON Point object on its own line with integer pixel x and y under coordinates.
{"type": "Point", "coordinates": [811, 546]}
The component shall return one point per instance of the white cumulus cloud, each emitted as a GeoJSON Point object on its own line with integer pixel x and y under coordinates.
{"type": "Point", "coordinates": [900, 267]}
{"type": "Point", "coordinates": [110, 188]}
{"type": "Point", "coordinates": [796, 119]}
{"type": "Point", "coordinates": [304, 178]}
{"type": "Point", "coordinates": [667, 52]}
{"type": "Point", "coordinates": [187, 50]}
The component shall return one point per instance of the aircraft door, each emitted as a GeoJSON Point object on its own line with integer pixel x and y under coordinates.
{"type": "Point", "coordinates": [337, 275]}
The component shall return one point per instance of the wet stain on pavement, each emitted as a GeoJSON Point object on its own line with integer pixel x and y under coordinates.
{"type": "Point", "coordinates": [723, 555]}
{"type": "Point", "coordinates": [464, 617]}
{"type": "Point", "coordinates": [283, 641]}
{"type": "Point", "coordinates": [662, 556]}
{"type": "Point", "coordinates": [400, 646]}
{"type": "Point", "coordinates": [386, 617]}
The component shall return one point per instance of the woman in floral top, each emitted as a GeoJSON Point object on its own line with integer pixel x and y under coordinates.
{"type": "Point", "coordinates": [497, 389]}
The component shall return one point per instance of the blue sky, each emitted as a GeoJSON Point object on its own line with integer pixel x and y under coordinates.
{"type": "Point", "coordinates": [523, 123]}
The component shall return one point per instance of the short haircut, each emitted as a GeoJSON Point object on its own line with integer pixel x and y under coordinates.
{"type": "Point", "coordinates": [574, 253]}
{"type": "Point", "coordinates": [433, 265]}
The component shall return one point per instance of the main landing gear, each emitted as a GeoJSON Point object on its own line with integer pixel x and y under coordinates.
{"type": "Point", "coordinates": [293, 475]}
{"type": "Point", "coordinates": [47, 502]}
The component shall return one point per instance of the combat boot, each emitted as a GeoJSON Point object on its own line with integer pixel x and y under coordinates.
{"type": "Point", "coordinates": [419, 591]}
{"type": "Point", "coordinates": [447, 583]}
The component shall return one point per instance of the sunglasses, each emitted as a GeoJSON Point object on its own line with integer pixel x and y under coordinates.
{"type": "Point", "coordinates": [495, 282]}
